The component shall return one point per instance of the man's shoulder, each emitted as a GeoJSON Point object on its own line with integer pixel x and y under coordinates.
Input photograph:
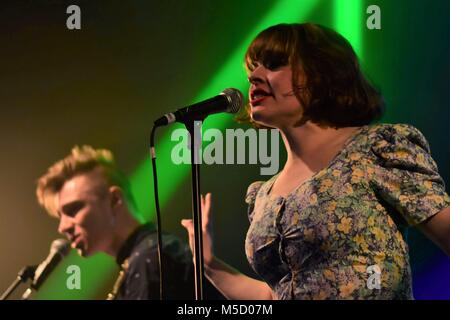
{"type": "Point", "coordinates": [147, 249]}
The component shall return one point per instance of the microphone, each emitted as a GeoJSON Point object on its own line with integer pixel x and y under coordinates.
{"type": "Point", "coordinates": [58, 250]}
{"type": "Point", "coordinates": [229, 100]}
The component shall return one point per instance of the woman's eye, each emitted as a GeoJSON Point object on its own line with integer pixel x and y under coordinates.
{"type": "Point", "coordinates": [274, 61]}
{"type": "Point", "coordinates": [272, 65]}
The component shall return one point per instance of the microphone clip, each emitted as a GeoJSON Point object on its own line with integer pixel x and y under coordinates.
{"type": "Point", "coordinates": [25, 274]}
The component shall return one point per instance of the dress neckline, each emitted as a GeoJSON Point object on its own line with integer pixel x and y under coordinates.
{"type": "Point", "coordinates": [347, 143]}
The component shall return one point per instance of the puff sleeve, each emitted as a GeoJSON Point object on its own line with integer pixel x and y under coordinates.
{"type": "Point", "coordinates": [405, 175]}
{"type": "Point", "coordinates": [250, 197]}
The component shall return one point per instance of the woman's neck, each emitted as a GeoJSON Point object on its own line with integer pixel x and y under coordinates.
{"type": "Point", "coordinates": [313, 146]}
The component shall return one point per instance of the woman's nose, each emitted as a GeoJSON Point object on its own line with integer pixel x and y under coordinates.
{"type": "Point", "coordinates": [257, 75]}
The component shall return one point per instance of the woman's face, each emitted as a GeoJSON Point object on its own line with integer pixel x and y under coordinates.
{"type": "Point", "coordinates": [272, 99]}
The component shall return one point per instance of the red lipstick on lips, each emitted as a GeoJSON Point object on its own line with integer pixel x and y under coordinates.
{"type": "Point", "coordinates": [258, 95]}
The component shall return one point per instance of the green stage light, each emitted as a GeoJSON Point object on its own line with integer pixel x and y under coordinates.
{"type": "Point", "coordinates": [348, 20]}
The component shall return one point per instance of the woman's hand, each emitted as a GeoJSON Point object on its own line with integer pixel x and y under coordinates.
{"type": "Point", "coordinates": [229, 281]}
{"type": "Point", "coordinates": [206, 227]}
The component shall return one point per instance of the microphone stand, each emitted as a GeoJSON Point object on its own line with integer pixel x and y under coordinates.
{"type": "Point", "coordinates": [24, 274]}
{"type": "Point", "coordinates": [192, 125]}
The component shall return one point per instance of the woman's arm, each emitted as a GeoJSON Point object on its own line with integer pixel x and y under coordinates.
{"type": "Point", "coordinates": [437, 228]}
{"type": "Point", "coordinates": [235, 285]}
{"type": "Point", "coordinates": [230, 282]}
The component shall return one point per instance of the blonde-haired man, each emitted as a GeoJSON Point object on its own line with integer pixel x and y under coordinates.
{"type": "Point", "coordinates": [92, 199]}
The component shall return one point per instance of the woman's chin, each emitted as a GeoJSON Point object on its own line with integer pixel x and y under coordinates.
{"type": "Point", "coordinates": [262, 120]}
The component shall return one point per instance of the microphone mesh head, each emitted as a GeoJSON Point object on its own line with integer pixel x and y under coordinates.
{"type": "Point", "coordinates": [235, 99]}
{"type": "Point", "coordinates": [62, 246]}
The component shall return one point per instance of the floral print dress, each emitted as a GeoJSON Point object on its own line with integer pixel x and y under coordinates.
{"type": "Point", "coordinates": [339, 235]}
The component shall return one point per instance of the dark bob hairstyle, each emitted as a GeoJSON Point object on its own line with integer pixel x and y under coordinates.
{"type": "Point", "coordinates": [336, 93]}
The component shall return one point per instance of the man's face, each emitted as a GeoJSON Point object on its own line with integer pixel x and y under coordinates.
{"type": "Point", "coordinates": [86, 213]}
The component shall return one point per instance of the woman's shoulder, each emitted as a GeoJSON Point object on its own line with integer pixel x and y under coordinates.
{"type": "Point", "coordinates": [386, 136]}
{"type": "Point", "coordinates": [392, 131]}
{"type": "Point", "coordinates": [399, 127]}
{"type": "Point", "coordinates": [400, 146]}
{"type": "Point", "coordinates": [253, 190]}
{"type": "Point", "coordinates": [256, 186]}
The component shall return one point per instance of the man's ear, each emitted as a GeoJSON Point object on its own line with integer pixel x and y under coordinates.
{"type": "Point", "coordinates": [117, 198]}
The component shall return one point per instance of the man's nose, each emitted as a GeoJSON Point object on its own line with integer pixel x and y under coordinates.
{"type": "Point", "coordinates": [65, 224]}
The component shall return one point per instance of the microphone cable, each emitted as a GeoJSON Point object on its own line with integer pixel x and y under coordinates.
{"type": "Point", "coordinates": [158, 211]}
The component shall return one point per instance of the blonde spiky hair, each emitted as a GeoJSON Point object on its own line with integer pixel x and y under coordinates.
{"type": "Point", "coordinates": [81, 160]}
